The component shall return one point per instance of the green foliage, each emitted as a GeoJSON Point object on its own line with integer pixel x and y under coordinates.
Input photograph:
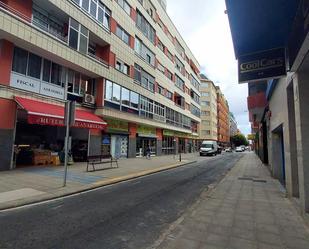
{"type": "Point", "coordinates": [239, 140]}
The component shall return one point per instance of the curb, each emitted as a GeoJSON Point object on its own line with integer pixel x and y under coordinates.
{"type": "Point", "coordinates": [52, 197]}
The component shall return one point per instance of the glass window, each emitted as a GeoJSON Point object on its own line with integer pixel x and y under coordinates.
{"type": "Point", "coordinates": [109, 90]}
{"type": "Point", "coordinates": [34, 66]}
{"type": "Point", "coordinates": [125, 97]}
{"type": "Point", "coordinates": [20, 60]}
{"type": "Point", "coordinates": [116, 93]}
{"type": "Point", "coordinates": [85, 5]}
{"type": "Point", "coordinates": [83, 83]}
{"type": "Point", "coordinates": [83, 44]}
{"type": "Point", "coordinates": [73, 39]}
{"type": "Point", "coordinates": [134, 99]}
{"type": "Point", "coordinates": [76, 85]}
{"type": "Point", "coordinates": [93, 9]}
{"type": "Point", "coordinates": [46, 70]}
{"type": "Point", "coordinates": [137, 73]}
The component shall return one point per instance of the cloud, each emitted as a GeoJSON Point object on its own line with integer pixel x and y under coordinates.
{"type": "Point", "coordinates": [208, 35]}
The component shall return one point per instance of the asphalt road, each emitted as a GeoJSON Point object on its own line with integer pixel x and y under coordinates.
{"type": "Point", "coordinates": [131, 214]}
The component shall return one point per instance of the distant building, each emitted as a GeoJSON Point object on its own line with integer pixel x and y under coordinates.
{"type": "Point", "coordinates": [223, 118]}
{"type": "Point", "coordinates": [233, 125]}
{"type": "Point", "coordinates": [209, 123]}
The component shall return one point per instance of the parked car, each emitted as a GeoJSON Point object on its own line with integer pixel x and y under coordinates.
{"type": "Point", "coordinates": [229, 149]}
{"type": "Point", "coordinates": [239, 149]}
{"type": "Point", "coordinates": [209, 148]}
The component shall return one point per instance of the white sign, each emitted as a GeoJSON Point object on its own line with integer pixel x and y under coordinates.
{"type": "Point", "coordinates": [36, 86]}
{"type": "Point", "coordinates": [52, 90]}
{"type": "Point", "coordinates": [25, 83]}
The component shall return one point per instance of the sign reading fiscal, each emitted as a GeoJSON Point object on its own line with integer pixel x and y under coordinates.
{"type": "Point", "coordinates": [263, 65]}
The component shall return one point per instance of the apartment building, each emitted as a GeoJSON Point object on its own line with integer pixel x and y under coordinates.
{"type": "Point", "coordinates": [134, 79]}
{"type": "Point", "coordinates": [233, 125]}
{"type": "Point", "coordinates": [223, 115]}
{"type": "Point", "coordinates": [209, 121]}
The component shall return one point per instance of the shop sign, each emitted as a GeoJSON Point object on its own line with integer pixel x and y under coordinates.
{"type": "Point", "coordinates": [106, 140]}
{"type": "Point", "coordinates": [264, 65]}
{"type": "Point", "coordinates": [33, 85]}
{"type": "Point", "coordinates": [251, 136]}
{"type": "Point", "coordinates": [146, 130]}
{"type": "Point", "coordinates": [53, 121]}
{"type": "Point", "coordinates": [299, 31]}
{"type": "Point", "coordinates": [25, 83]}
{"type": "Point", "coordinates": [117, 125]}
{"type": "Point", "coordinates": [52, 90]}
{"type": "Point", "coordinates": [168, 133]}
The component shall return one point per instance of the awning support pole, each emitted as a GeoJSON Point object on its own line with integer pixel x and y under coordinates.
{"type": "Point", "coordinates": [66, 142]}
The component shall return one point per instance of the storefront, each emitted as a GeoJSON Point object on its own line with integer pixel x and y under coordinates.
{"type": "Point", "coordinates": [115, 140]}
{"type": "Point", "coordinates": [40, 133]}
{"type": "Point", "coordinates": [146, 137]}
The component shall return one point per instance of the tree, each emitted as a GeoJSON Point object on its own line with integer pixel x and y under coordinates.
{"type": "Point", "coordinates": [239, 140]}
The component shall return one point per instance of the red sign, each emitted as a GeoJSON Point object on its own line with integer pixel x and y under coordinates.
{"type": "Point", "coordinates": [42, 120]}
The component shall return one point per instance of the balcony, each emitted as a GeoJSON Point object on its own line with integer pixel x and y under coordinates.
{"type": "Point", "coordinates": [257, 100]}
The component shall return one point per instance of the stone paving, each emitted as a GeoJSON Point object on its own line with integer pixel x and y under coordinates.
{"type": "Point", "coordinates": [32, 184]}
{"type": "Point", "coordinates": [246, 210]}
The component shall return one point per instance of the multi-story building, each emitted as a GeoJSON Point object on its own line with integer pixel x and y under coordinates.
{"type": "Point", "coordinates": [223, 118]}
{"type": "Point", "coordinates": [209, 121]}
{"type": "Point", "coordinates": [121, 61]}
{"type": "Point", "coordinates": [233, 125]}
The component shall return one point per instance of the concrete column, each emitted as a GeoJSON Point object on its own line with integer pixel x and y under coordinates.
{"type": "Point", "coordinates": [132, 140]}
{"type": "Point", "coordinates": [94, 142]}
{"type": "Point", "coordinates": [7, 133]}
{"type": "Point", "coordinates": [159, 142]}
{"type": "Point", "coordinates": [301, 100]}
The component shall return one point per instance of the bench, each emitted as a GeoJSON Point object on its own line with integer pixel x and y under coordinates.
{"type": "Point", "coordinates": [100, 159]}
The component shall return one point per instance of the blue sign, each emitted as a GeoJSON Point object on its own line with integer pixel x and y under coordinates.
{"type": "Point", "coordinates": [106, 140]}
{"type": "Point", "coordinates": [269, 64]}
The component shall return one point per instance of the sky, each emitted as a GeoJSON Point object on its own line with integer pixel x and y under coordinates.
{"type": "Point", "coordinates": [205, 28]}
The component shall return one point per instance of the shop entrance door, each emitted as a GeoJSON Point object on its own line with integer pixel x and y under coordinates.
{"type": "Point", "coordinates": [142, 145]}
{"type": "Point", "coordinates": [119, 146]}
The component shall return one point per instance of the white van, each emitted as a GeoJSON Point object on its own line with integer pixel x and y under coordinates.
{"type": "Point", "coordinates": [209, 148]}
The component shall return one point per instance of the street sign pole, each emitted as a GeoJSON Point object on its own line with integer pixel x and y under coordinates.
{"type": "Point", "coordinates": [69, 119]}
{"type": "Point", "coordinates": [66, 141]}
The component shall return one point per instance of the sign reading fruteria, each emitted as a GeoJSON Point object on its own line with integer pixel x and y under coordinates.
{"type": "Point", "coordinates": [270, 64]}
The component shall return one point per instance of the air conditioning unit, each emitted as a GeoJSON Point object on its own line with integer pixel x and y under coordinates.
{"type": "Point", "coordinates": [89, 99]}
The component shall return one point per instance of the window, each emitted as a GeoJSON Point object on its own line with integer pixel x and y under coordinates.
{"type": "Point", "coordinates": [78, 37]}
{"type": "Point", "coordinates": [195, 82]}
{"type": "Point", "coordinates": [179, 82]}
{"type": "Point", "coordinates": [195, 96]}
{"type": "Point", "coordinates": [206, 122]}
{"type": "Point", "coordinates": [122, 67]}
{"type": "Point", "coordinates": [195, 110]}
{"type": "Point", "coordinates": [134, 100]}
{"type": "Point", "coordinates": [143, 78]}
{"type": "Point", "coordinates": [159, 112]}
{"type": "Point", "coordinates": [169, 75]}
{"type": "Point", "coordinates": [20, 60]}
{"type": "Point", "coordinates": [205, 94]}
{"type": "Point", "coordinates": [146, 107]}
{"type": "Point", "coordinates": [179, 48]}
{"type": "Point", "coordinates": [161, 46]}
{"type": "Point", "coordinates": [205, 113]}
{"type": "Point", "coordinates": [204, 84]}
{"type": "Point", "coordinates": [169, 55]}
{"type": "Point", "coordinates": [124, 4]}
{"type": "Point", "coordinates": [169, 36]}
{"type": "Point", "coordinates": [144, 52]}
{"type": "Point", "coordinates": [97, 10]}
{"type": "Point", "coordinates": [144, 26]}
{"type": "Point", "coordinates": [109, 90]}
{"type": "Point", "coordinates": [206, 132]}
{"type": "Point", "coordinates": [46, 70]}
{"type": "Point", "coordinates": [179, 65]}
{"type": "Point", "coordinates": [160, 90]}
{"type": "Point", "coordinates": [161, 68]}
{"type": "Point", "coordinates": [116, 93]}
{"type": "Point", "coordinates": [123, 35]}
{"type": "Point", "coordinates": [205, 103]}
{"type": "Point", "coordinates": [169, 95]}
{"type": "Point", "coordinates": [34, 66]}
{"type": "Point", "coordinates": [125, 96]}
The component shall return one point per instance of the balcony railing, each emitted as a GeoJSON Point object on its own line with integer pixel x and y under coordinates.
{"type": "Point", "coordinates": [15, 12]}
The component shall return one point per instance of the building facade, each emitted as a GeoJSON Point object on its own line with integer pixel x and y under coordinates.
{"type": "Point", "coordinates": [223, 115]}
{"type": "Point", "coordinates": [233, 125]}
{"type": "Point", "coordinates": [279, 102]}
{"type": "Point", "coordinates": [209, 121]}
{"type": "Point", "coordinates": [135, 81]}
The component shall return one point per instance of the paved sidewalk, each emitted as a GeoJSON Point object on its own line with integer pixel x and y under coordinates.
{"type": "Point", "coordinates": [246, 210]}
{"type": "Point", "coordinates": [33, 184]}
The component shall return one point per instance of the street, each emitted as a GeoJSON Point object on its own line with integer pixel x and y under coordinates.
{"type": "Point", "coordinates": [131, 214]}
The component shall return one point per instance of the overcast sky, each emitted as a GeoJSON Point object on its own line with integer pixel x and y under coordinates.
{"type": "Point", "coordinates": [205, 28]}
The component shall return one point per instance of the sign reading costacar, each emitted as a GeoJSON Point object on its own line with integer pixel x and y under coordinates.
{"type": "Point", "coordinates": [270, 64]}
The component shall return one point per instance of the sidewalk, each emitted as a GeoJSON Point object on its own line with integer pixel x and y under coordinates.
{"type": "Point", "coordinates": [246, 210]}
{"type": "Point", "coordinates": [33, 184]}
